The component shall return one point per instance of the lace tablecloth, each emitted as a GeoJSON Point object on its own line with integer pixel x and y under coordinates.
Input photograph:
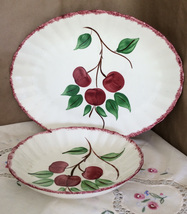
{"type": "Point", "coordinates": [159, 187]}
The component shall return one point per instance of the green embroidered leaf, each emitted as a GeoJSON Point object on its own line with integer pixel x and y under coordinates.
{"type": "Point", "coordinates": [88, 185]}
{"type": "Point", "coordinates": [77, 151]}
{"type": "Point", "coordinates": [73, 189]}
{"type": "Point", "coordinates": [75, 101]}
{"type": "Point", "coordinates": [127, 45]}
{"type": "Point", "coordinates": [83, 41]}
{"type": "Point", "coordinates": [71, 90]}
{"type": "Point", "coordinates": [164, 173]}
{"type": "Point", "coordinates": [103, 182]}
{"type": "Point", "coordinates": [162, 200]}
{"type": "Point", "coordinates": [101, 111]}
{"type": "Point", "coordinates": [62, 189]}
{"type": "Point", "coordinates": [112, 107]}
{"type": "Point", "coordinates": [44, 182]}
{"type": "Point", "coordinates": [107, 212]}
{"type": "Point", "coordinates": [154, 195]}
{"type": "Point", "coordinates": [122, 100]}
{"type": "Point", "coordinates": [42, 174]}
{"type": "Point", "coordinates": [111, 156]}
{"type": "Point", "coordinates": [145, 200]}
{"type": "Point", "coordinates": [87, 109]}
{"type": "Point", "coordinates": [143, 210]}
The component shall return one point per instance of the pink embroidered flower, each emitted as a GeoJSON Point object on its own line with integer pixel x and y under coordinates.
{"type": "Point", "coordinates": [139, 196]}
{"type": "Point", "coordinates": [152, 170]}
{"type": "Point", "coordinates": [152, 205]}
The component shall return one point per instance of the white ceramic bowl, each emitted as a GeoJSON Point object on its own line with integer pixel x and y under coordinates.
{"type": "Point", "coordinates": [76, 162]}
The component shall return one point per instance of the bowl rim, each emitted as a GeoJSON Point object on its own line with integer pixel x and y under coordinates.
{"type": "Point", "coordinates": [14, 149]}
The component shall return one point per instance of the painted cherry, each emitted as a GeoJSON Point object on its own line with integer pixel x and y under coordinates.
{"type": "Point", "coordinates": [81, 77]}
{"type": "Point", "coordinates": [67, 180]}
{"type": "Point", "coordinates": [58, 166]}
{"type": "Point", "coordinates": [95, 96]}
{"type": "Point", "coordinates": [92, 173]}
{"type": "Point", "coordinates": [114, 81]}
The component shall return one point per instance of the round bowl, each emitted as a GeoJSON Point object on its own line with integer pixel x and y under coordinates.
{"type": "Point", "coordinates": [75, 162]}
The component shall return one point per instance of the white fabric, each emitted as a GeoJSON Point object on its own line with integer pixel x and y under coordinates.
{"type": "Point", "coordinates": [160, 187]}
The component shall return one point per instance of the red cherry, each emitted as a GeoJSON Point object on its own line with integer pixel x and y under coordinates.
{"type": "Point", "coordinates": [67, 180]}
{"type": "Point", "coordinates": [113, 82]}
{"type": "Point", "coordinates": [58, 166]}
{"type": "Point", "coordinates": [81, 77]}
{"type": "Point", "coordinates": [92, 172]}
{"type": "Point", "coordinates": [95, 96]}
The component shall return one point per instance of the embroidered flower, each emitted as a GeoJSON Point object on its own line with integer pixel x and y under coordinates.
{"type": "Point", "coordinates": [152, 170]}
{"type": "Point", "coordinates": [139, 196]}
{"type": "Point", "coordinates": [152, 205]}
{"type": "Point", "coordinates": [146, 192]}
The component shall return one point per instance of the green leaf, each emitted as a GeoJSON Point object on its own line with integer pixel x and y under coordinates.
{"type": "Point", "coordinates": [154, 195]}
{"type": "Point", "coordinates": [83, 41]}
{"type": "Point", "coordinates": [77, 151]}
{"type": "Point", "coordinates": [122, 100]}
{"type": "Point", "coordinates": [162, 200]}
{"type": "Point", "coordinates": [143, 210]}
{"type": "Point", "coordinates": [112, 107]}
{"type": "Point", "coordinates": [88, 185]}
{"type": "Point", "coordinates": [73, 189]}
{"type": "Point", "coordinates": [107, 212]}
{"type": "Point", "coordinates": [75, 101]}
{"type": "Point", "coordinates": [101, 111]}
{"type": "Point", "coordinates": [145, 200]}
{"type": "Point", "coordinates": [42, 174]}
{"type": "Point", "coordinates": [127, 45]}
{"type": "Point", "coordinates": [87, 109]}
{"type": "Point", "coordinates": [111, 156]}
{"type": "Point", "coordinates": [44, 182]}
{"type": "Point", "coordinates": [103, 182]}
{"type": "Point", "coordinates": [62, 189]}
{"type": "Point", "coordinates": [71, 90]}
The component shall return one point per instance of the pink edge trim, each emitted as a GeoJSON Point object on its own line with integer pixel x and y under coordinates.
{"type": "Point", "coordinates": [11, 156]}
{"type": "Point", "coordinates": [97, 12]}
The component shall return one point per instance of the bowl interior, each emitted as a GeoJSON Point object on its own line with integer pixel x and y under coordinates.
{"type": "Point", "coordinates": [75, 162]}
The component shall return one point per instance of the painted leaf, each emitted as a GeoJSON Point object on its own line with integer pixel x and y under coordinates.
{"type": "Point", "coordinates": [101, 111]}
{"type": "Point", "coordinates": [87, 109]}
{"type": "Point", "coordinates": [103, 182]}
{"type": "Point", "coordinates": [83, 41]}
{"type": "Point", "coordinates": [44, 182]}
{"type": "Point", "coordinates": [71, 90]}
{"type": "Point", "coordinates": [77, 151]}
{"type": "Point", "coordinates": [88, 185]}
{"type": "Point", "coordinates": [122, 100]}
{"type": "Point", "coordinates": [75, 101]}
{"type": "Point", "coordinates": [127, 45]}
{"type": "Point", "coordinates": [73, 189]}
{"type": "Point", "coordinates": [62, 189]}
{"type": "Point", "coordinates": [42, 174]}
{"type": "Point", "coordinates": [107, 212]}
{"type": "Point", "coordinates": [143, 210]}
{"type": "Point", "coordinates": [112, 107]}
{"type": "Point", "coordinates": [111, 156]}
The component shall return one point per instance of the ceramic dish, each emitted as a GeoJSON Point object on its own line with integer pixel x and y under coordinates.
{"type": "Point", "coordinates": [75, 162]}
{"type": "Point", "coordinates": [97, 68]}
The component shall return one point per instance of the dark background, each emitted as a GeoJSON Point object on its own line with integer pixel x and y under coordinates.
{"type": "Point", "coordinates": [19, 18]}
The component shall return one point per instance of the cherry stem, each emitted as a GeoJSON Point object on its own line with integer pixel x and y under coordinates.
{"type": "Point", "coordinates": [108, 47]}
{"type": "Point", "coordinates": [102, 159]}
{"type": "Point", "coordinates": [91, 111]}
{"type": "Point", "coordinates": [101, 119]}
{"type": "Point", "coordinates": [83, 160]}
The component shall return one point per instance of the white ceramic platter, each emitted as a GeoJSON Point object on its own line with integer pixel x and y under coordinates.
{"type": "Point", "coordinates": [97, 68]}
{"type": "Point", "coordinates": [75, 162]}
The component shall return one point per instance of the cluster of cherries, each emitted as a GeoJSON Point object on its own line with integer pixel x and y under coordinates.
{"type": "Point", "coordinates": [113, 82]}
{"type": "Point", "coordinates": [90, 173]}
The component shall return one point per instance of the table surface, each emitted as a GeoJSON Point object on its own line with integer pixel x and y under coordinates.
{"type": "Point", "coordinates": [159, 187]}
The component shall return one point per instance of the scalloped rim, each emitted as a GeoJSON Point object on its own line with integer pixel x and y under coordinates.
{"type": "Point", "coordinates": [11, 158]}
{"type": "Point", "coordinates": [97, 12]}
